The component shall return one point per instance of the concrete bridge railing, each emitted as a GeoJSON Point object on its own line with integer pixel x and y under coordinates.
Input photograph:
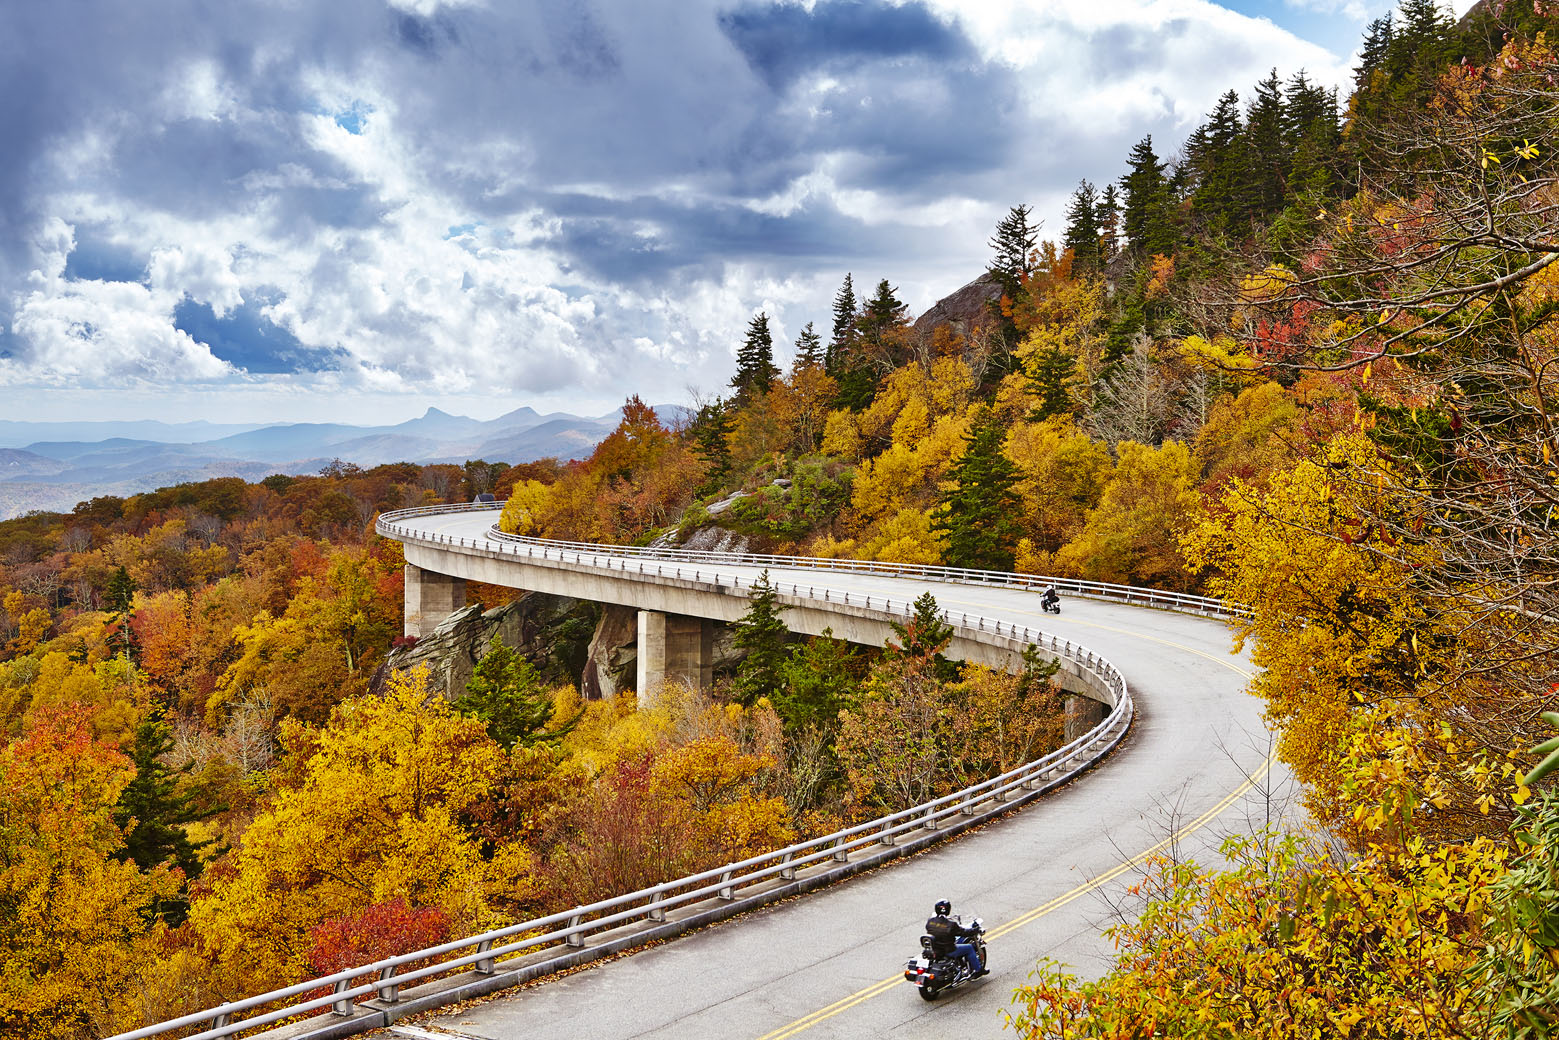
{"type": "Point", "coordinates": [480, 964]}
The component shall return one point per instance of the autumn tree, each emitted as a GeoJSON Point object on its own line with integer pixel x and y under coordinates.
{"type": "Point", "coordinates": [73, 923]}
{"type": "Point", "coordinates": [375, 813]}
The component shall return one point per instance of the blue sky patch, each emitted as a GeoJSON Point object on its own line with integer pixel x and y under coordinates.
{"type": "Point", "coordinates": [246, 338]}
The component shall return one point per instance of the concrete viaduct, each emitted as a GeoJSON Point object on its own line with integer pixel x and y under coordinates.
{"type": "Point", "coordinates": [679, 596]}
{"type": "Point", "coordinates": [1188, 759]}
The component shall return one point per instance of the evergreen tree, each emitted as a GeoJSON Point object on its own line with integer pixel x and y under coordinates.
{"type": "Point", "coordinates": [762, 637]}
{"type": "Point", "coordinates": [977, 514]}
{"type": "Point", "coordinates": [1052, 376]}
{"type": "Point", "coordinates": [710, 431]}
{"type": "Point", "coordinates": [506, 693]}
{"type": "Point", "coordinates": [119, 598]}
{"type": "Point", "coordinates": [154, 808]}
{"type": "Point", "coordinates": [755, 369]}
{"type": "Point", "coordinates": [809, 348]}
{"type": "Point", "coordinates": [1372, 53]}
{"type": "Point", "coordinates": [1145, 213]}
{"type": "Point", "coordinates": [882, 313]}
{"type": "Point", "coordinates": [1268, 147]}
{"type": "Point", "coordinates": [820, 678]}
{"type": "Point", "coordinates": [926, 635]}
{"type": "Point", "coordinates": [841, 345]}
{"type": "Point", "coordinates": [1082, 228]}
{"type": "Point", "coordinates": [1013, 244]}
{"type": "Point", "coordinates": [1109, 220]}
{"type": "Point", "coordinates": [1218, 161]}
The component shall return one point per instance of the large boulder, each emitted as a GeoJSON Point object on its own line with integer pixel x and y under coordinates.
{"type": "Point", "coordinates": [963, 310]}
{"type": "Point", "coordinates": [549, 630]}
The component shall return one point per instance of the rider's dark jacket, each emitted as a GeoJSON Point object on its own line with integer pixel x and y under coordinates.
{"type": "Point", "coordinates": [945, 932]}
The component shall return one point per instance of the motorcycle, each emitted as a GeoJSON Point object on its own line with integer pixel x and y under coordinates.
{"type": "Point", "coordinates": [933, 975]}
{"type": "Point", "coordinates": [1050, 604]}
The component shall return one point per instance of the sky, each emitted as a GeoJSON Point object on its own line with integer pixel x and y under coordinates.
{"type": "Point", "coordinates": [353, 210]}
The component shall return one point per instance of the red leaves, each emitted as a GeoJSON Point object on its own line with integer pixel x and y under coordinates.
{"type": "Point", "coordinates": [383, 930]}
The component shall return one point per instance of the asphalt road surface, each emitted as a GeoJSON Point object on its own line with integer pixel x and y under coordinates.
{"type": "Point", "coordinates": [1045, 879]}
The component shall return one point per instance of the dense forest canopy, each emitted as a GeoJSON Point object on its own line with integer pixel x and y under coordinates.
{"type": "Point", "coordinates": [1304, 360]}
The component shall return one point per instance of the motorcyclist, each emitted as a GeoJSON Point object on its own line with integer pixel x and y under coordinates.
{"type": "Point", "coordinates": [1049, 598]}
{"type": "Point", "coordinates": [946, 933]}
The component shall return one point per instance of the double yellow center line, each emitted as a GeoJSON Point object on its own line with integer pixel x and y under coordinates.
{"type": "Point", "coordinates": [878, 988]}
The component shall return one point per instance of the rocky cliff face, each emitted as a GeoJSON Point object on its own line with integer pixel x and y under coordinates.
{"type": "Point", "coordinates": [963, 310]}
{"type": "Point", "coordinates": [551, 631]}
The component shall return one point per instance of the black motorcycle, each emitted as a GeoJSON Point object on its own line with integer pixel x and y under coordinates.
{"type": "Point", "coordinates": [1050, 603]}
{"type": "Point", "coordinates": [933, 975]}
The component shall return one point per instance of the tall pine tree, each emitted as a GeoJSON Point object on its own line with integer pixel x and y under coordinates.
{"type": "Point", "coordinates": [755, 369]}
{"type": "Point", "coordinates": [1013, 245]}
{"type": "Point", "coordinates": [977, 514]}
{"type": "Point", "coordinates": [809, 348]}
{"type": "Point", "coordinates": [1145, 213]}
{"type": "Point", "coordinates": [1082, 228]}
{"type": "Point", "coordinates": [154, 809]}
{"type": "Point", "coordinates": [761, 636]}
{"type": "Point", "coordinates": [842, 343]}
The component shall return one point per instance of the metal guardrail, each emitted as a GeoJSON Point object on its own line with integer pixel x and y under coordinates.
{"type": "Point", "coordinates": [1130, 594]}
{"type": "Point", "coordinates": [822, 859]}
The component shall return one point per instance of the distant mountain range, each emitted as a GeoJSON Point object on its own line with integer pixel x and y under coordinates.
{"type": "Point", "coordinates": [54, 465]}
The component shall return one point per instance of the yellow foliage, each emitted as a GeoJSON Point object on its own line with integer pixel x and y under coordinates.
{"type": "Point", "coordinates": [1133, 534]}
{"type": "Point", "coordinates": [1221, 354]}
{"type": "Point", "coordinates": [906, 537]}
{"type": "Point", "coordinates": [109, 688]}
{"type": "Point", "coordinates": [1249, 435]}
{"type": "Point", "coordinates": [527, 502]}
{"type": "Point", "coordinates": [1064, 474]}
{"type": "Point", "coordinates": [374, 815]}
{"type": "Point", "coordinates": [72, 932]}
{"type": "Point", "coordinates": [1298, 551]}
{"type": "Point", "coordinates": [841, 439]}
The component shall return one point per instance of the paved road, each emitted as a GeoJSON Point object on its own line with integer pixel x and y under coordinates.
{"type": "Point", "coordinates": [826, 965]}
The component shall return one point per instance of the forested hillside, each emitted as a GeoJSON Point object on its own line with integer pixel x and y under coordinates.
{"type": "Point", "coordinates": [1303, 360]}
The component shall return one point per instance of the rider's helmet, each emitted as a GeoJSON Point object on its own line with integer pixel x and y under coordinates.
{"type": "Point", "coordinates": [943, 908]}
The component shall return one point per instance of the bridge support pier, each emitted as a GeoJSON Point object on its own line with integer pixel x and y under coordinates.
{"type": "Point", "coordinates": [1082, 715]}
{"type": "Point", "coordinates": [673, 647]}
{"type": "Point", "coordinates": [430, 598]}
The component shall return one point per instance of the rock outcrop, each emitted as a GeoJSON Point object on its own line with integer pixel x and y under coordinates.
{"type": "Point", "coordinates": [613, 655]}
{"type": "Point", "coordinates": [963, 309]}
{"type": "Point", "coordinates": [549, 630]}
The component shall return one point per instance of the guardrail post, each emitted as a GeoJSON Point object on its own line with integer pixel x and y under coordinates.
{"type": "Point", "coordinates": [342, 1007]}
{"type": "Point", "coordinates": [221, 1020]}
{"type": "Point", "coordinates": [727, 890]}
{"type": "Point", "coordinates": [787, 871]}
{"type": "Point", "coordinates": [887, 837]}
{"type": "Point", "coordinates": [657, 912]}
{"type": "Point", "coordinates": [574, 938]}
{"type": "Point", "coordinates": [388, 994]}
{"type": "Point", "coordinates": [840, 854]}
{"type": "Point", "coordinates": [930, 823]}
{"type": "Point", "coordinates": [485, 966]}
